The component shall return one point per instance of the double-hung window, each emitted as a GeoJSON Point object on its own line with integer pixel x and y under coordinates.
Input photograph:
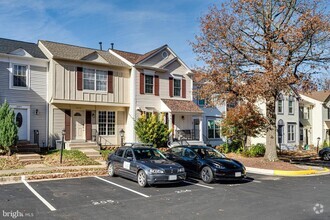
{"type": "Point", "coordinates": [95, 80]}
{"type": "Point", "coordinates": [19, 76]}
{"type": "Point", "coordinates": [177, 87]}
{"type": "Point", "coordinates": [107, 122]}
{"type": "Point", "coordinates": [291, 132]}
{"type": "Point", "coordinates": [149, 84]}
{"type": "Point", "coordinates": [213, 129]}
{"type": "Point", "coordinates": [291, 105]}
{"type": "Point", "coordinates": [280, 104]}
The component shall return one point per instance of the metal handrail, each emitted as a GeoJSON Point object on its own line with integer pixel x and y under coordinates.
{"type": "Point", "coordinates": [100, 138]}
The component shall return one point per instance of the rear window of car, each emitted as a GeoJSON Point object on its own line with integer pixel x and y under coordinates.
{"type": "Point", "coordinates": [120, 152]}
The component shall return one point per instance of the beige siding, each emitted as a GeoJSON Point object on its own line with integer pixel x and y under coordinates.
{"type": "Point", "coordinates": [158, 60]}
{"type": "Point", "coordinates": [66, 89]}
{"type": "Point", "coordinates": [58, 124]}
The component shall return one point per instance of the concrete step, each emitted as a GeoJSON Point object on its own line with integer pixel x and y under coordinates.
{"type": "Point", "coordinates": [91, 153]}
{"type": "Point", "coordinates": [28, 156]}
{"type": "Point", "coordinates": [95, 147]}
{"type": "Point", "coordinates": [30, 160]}
{"type": "Point", "coordinates": [82, 143]}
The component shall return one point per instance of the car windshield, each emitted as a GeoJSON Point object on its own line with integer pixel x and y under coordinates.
{"type": "Point", "coordinates": [208, 153]}
{"type": "Point", "coordinates": [144, 154]}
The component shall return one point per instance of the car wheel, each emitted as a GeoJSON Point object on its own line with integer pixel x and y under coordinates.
{"type": "Point", "coordinates": [326, 156]}
{"type": "Point", "coordinates": [142, 178]}
{"type": "Point", "coordinates": [207, 175]}
{"type": "Point", "coordinates": [111, 170]}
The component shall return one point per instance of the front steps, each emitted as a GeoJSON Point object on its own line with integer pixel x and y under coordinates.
{"type": "Point", "coordinates": [28, 157]}
{"type": "Point", "coordinates": [26, 147]}
{"type": "Point", "coordinates": [90, 149]}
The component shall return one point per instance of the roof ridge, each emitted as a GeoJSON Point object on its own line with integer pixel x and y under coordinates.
{"type": "Point", "coordinates": [127, 52]}
{"type": "Point", "coordinates": [66, 44]}
{"type": "Point", "coordinates": [1, 38]}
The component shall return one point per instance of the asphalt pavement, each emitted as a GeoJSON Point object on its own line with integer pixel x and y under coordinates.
{"type": "Point", "coordinates": [103, 197]}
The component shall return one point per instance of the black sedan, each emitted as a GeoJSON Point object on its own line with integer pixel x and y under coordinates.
{"type": "Point", "coordinates": [145, 165]}
{"type": "Point", "coordinates": [206, 163]}
{"type": "Point", "coordinates": [325, 153]}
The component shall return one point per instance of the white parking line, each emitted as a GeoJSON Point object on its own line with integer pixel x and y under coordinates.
{"type": "Point", "coordinates": [197, 184]}
{"type": "Point", "coordinates": [37, 194]}
{"type": "Point", "coordinates": [141, 194]}
{"type": "Point", "coordinates": [256, 181]}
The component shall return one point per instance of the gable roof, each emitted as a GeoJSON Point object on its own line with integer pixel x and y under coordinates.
{"type": "Point", "coordinates": [77, 53]}
{"type": "Point", "coordinates": [321, 96]}
{"type": "Point", "coordinates": [135, 57]}
{"type": "Point", "coordinates": [182, 106]}
{"type": "Point", "coordinates": [7, 46]}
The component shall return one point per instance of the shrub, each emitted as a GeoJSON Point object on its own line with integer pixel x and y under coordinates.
{"type": "Point", "coordinates": [325, 144]}
{"type": "Point", "coordinates": [8, 128]}
{"type": "Point", "coordinates": [257, 150]}
{"type": "Point", "coordinates": [234, 146]}
{"type": "Point", "coordinates": [152, 129]}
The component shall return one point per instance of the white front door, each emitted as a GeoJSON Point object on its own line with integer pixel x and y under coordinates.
{"type": "Point", "coordinates": [21, 118]}
{"type": "Point", "coordinates": [78, 125]}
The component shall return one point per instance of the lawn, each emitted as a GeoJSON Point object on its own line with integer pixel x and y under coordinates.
{"type": "Point", "coordinates": [9, 162]}
{"type": "Point", "coordinates": [70, 158]}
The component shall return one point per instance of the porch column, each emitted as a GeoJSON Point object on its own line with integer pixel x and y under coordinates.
{"type": "Point", "coordinates": [131, 118]}
{"type": "Point", "coordinates": [170, 125]}
{"type": "Point", "coordinates": [200, 128]}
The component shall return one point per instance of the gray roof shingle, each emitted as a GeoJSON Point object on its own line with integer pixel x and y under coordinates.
{"type": "Point", "coordinates": [71, 52]}
{"type": "Point", "coordinates": [7, 46]}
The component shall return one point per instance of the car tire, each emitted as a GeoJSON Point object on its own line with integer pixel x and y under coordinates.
{"type": "Point", "coordinates": [326, 156]}
{"type": "Point", "coordinates": [111, 170]}
{"type": "Point", "coordinates": [207, 174]}
{"type": "Point", "coordinates": [142, 178]}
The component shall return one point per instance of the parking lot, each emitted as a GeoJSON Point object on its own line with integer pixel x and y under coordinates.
{"type": "Point", "coordinates": [260, 197]}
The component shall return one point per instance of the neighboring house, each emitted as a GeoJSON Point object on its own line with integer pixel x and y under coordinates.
{"type": "Point", "coordinates": [287, 121]}
{"type": "Point", "coordinates": [161, 83]}
{"type": "Point", "coordinates": [315, 117]}
{"type": "Point", "coordinates": [23, 83]}
{"type": "Point", "coordinates": [212, 115]}
{"type": "Point", "coordinates": [88, 92]}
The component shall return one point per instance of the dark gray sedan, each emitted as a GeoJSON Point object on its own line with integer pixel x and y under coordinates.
{"type": "Point", "coordinates": [145, 165]}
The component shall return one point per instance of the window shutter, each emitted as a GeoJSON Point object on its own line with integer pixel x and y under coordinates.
{"type": "Point", "coordinates": [171, 86]}
{"type": "Point", "coordinates": [156, 85]}
{"type": "Point", "coordinates": [79, 79]}
{"type": "Point", "coordinates": [141, 83]}
{"type": "Point", "coordinates": [67, 124]}
{"type": "Point", "coordinates": [110, 82]}
{"type": "Point", "coordinates": [184, 88]}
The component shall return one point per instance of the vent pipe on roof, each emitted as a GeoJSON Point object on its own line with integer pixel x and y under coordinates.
{"type": "Point", "coordinates": [112, 46]}
{"type": "Point", "coordinates": [100, 45]}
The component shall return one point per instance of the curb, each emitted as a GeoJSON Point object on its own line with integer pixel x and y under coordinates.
{"type": "Point", "coordinates": [296, 173]}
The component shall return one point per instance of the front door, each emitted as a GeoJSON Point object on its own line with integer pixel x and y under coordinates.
{"type": "Point", "coordinates": [280, 134]}
{"type": "Point", "coordinates": [78, 127]}
{"type": "Point", "coordinates": [21, 118]}
{"type": "Point", "coordinates": [196, 129]}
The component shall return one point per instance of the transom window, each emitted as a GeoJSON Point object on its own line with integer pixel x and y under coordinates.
{"type": "Point", "coordinates": [177, 87]}
{"type": "Point", "coordinates": [95, 80]}
{"type": "Point", "coordinates": [107, 122]}
{"type": "Point", "coordinates": [19, 76]}
{"type": "Point", "coordinates": [149, 84]}
{"type": "Point", "coordinates": [291, 105]}
{"type": "Point", "coordinates": [291, 132]}
{"type": "Point", "coordinates": [213, 129]}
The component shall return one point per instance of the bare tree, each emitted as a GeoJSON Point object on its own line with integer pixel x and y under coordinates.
{"type": "Point", "coordinates": [255, 49]}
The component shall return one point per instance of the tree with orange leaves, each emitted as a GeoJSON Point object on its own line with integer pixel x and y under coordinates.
{"type": "Point", "coordinates": [255, 49]}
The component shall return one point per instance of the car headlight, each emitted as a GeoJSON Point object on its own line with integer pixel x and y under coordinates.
{"type": "Point", "coordinates": [181, 170]}
{"type": "Point", "coordinates": [156, 171]}
{"type": "Point", "coordinates": [219, 166]}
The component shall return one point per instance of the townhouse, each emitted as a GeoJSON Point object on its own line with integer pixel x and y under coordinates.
{"type": "Point", "coordinates": [314, 110]}
{"type": "Point", "coordinates": [160, 82]}
{"type": "Point", "coordinates": [23, 83]}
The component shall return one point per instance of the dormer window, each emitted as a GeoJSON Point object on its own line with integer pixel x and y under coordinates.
{"type": "Point", "coordinates": [19, 77]}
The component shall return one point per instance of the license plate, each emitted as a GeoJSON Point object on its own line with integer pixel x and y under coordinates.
{"type": "Point", "coordinates": [172, 177]}
{"type": "Point", "coordinates": [238, 174]}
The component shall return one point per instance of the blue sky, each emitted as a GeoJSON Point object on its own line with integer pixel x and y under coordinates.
{"type": "Point", "coordinates": [132, 25]}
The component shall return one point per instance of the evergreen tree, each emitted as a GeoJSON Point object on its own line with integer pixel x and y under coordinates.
{"type": "Point", "coordinates": [8, 128]}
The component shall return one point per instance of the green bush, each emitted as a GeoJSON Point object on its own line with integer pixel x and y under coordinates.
{"type": "Point", "coordinates": [234, 146]}
{"type": "Point", "coordinates": [152, 129]}
{"type": "Point", "coordinates": [325, 144]}
{"type": "Point", "coordinates": [8, 128]}
{"type": "Point", "coordinates": [257, 150]}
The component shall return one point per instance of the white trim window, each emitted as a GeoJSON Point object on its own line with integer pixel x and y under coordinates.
{"type": "Point", "coordinates": [291, 105]}
{"type": "Point", "coordinates": [177, 87]}
{"type": "Point", "coordinates": [148, 84]}
{"type": "Point", "coordinates": [213, 129]}
{"type": "Point", "coordinates": [19, 77]}
{"type": "Point", "coordinates": [291, 132]}
{"type": "Point", "coordinates": [107, 123]}
{"type": "Point", "coordinates": [95, 80]}
{"type": "Point", "coordinates": [280, 104]}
